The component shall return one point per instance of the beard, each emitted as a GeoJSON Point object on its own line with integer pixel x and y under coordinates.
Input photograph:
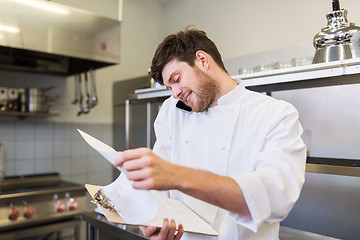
{"type": "Point", "coordinates": [206, 94]}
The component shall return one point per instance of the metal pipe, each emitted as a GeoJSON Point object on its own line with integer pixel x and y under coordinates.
{"type": "Point", "coordinates": [148, 124]}
{"type": "Point", "coordinates": [127, 123]}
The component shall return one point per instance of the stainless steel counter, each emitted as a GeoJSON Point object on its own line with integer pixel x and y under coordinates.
{"type": "Point", "coordinates": [98, 227]}
{"type": "Point", "coordinates": [287, 233]}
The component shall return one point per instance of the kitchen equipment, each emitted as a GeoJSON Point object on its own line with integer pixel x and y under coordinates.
{"type": "Point", "coordinates": [94, 97]}
{"type": "Point", "coordinates": [35, 205]}
{"type": "Point", "coordinates": [13, 99]}
{"type": "Point", "coordinates": [3, 99]}
{"type": "Point", "coordinates": [81, 110]}
{"type": "Point", "coordinates": [76, 90]}
{"type": "Point", "coordinates": [339, 40]}
{"type": "Point", "coordinates": [69, 41]}
{"type": "Point", "coordinates": [87, 95]}
{"type": "Point", "coordinates": [2, 162]}
{"type": "Point", "coordinates": [85, 90]}
{"type": "Point", "coordinates": [36, 99]}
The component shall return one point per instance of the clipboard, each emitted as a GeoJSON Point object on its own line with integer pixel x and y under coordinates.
{"type": "Point", "coordinates": [110, 213]}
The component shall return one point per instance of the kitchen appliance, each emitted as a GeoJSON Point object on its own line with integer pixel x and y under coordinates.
{"type": "Point", "coordinates": [47, 37]}
{"type": "Point", "coordinates": [339, 40]}
{"type": "Point", "coordinates": [38, 205]}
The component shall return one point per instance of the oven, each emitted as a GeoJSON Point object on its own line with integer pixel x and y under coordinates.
{"type": "Point", "coordinates": [42, 206]}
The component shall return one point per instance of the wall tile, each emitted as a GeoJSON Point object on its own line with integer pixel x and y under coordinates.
{"type": "Point", "coordinates": [44, 149]}
{"type": "Point", "coordinates": [62, 166]}
{"type": "Point", "coordinates": [79, 148]}
{"type": "Point", "coordinates": [40, 147]}
{"type": "Point", "coordinates": [25, 150]}
{"type": "Point", "coordinates": [24, 167]}
{"type": "Point", "coordinates": [7, 131]}
{"type": "Point", "coordinates": [25, 131]}
{"type": "Point", "coordinates": [79, 165]}
{"type": "Point", "coordinates": [9, 148]}
{"type": "Point", "coordinates": [62, 131]}
{"type": "Point", "coordinates": [74, 134]}
{"type": "Point", "coordinates": [62, 148]}
{"type": "Point", "coordinates": [44, 131]}
{"type": "Point", "coordinates": [79, 178]}
{"type": "Point", "coordinates": [96, 163]}
{"type": "Point", "coordinates": [10, 167]}
{"type": "Point", "coordinates": [44, 165]}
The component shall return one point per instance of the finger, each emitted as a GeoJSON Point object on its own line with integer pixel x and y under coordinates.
{"type": "Point", "coordinates": [180, 232]}
{"type": "Point", "coordinates": [172, 230]}
{"type": "Point", "coordinates": [137, 163]}
{"type": "Point", "coordinates": [164, 229]}
{"type": "Point", "coordinates": [130, 155]}
{"type": "Point", "coordinates": [147, 230]}
{"type": "Point", "coordinates": [140, 174]}
{"type": "Point", "coordinates": [146, 184]}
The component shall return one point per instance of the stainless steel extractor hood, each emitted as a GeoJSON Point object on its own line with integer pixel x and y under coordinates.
{"type": "Point", "coordinates": [46, 37]}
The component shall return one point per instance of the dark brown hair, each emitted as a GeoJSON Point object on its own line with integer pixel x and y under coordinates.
{"type": "Point", "coordinates": [183, 47]}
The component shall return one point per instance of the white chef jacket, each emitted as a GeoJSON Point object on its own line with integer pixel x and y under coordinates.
{"type": "Point", "coordinates": [249, 136]}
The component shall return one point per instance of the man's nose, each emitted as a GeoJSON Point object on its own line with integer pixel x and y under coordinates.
{"type": "Point", "coordinates": [176, 91]}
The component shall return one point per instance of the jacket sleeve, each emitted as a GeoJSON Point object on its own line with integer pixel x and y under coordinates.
{"type": "Point", "coordinates": [272, 189]}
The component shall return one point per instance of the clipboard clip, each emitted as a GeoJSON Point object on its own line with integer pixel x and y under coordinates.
{"type": "Point", "coordinates": [101, 200]}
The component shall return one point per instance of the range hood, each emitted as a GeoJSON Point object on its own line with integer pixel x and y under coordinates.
{"type": "Point", "coordinates": [46, 37]}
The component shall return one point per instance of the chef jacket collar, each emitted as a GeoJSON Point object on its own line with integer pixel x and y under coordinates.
{"type": "Point", "coordinates": [232, 96]}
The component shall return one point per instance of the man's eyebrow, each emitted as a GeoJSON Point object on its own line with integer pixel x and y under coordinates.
{"type": "Point", "coordinates": [171, 78]}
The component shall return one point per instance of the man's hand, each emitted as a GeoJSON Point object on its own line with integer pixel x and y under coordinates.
{"type": "Point", "coordinates": [166, 232]}
{"type": "Point", "coordinates": [147, 170]}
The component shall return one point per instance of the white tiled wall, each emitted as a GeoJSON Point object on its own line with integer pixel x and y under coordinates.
{"type": "Point", "coordinates": [39, 146]}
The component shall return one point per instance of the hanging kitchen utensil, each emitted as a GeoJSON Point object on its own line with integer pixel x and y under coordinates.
{"type": "Point", "coordinates": [80, 111]}
{"type": "Point", "coordinates": [87, 95]}
{"type": "Point", "coordinates": [76, 90]}
{"type": "Point", "coordinates": [339, 40]}
{"type": "Point", "coordinates": [93, 89]}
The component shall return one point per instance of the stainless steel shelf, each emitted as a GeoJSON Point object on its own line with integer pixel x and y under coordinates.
{"type": "Point", "coordinates": [308, 76]}
{"type": "Point", "coordinates": [27, 114]}
{"type": "Point", "coordinates": [336, 166]}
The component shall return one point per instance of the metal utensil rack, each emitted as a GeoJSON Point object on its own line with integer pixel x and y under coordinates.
{"type": "Point", "coordinates": [309, 76]}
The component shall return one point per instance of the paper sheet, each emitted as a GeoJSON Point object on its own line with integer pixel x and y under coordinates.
{"type": "Point", "coordinates": [141, 207]}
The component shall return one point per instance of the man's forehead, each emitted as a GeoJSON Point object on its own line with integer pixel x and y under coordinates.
{"type": "Point", "coordinates": [169, 69]}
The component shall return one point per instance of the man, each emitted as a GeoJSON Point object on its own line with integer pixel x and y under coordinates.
{"type": "Point", "coordinates": [235, 157]}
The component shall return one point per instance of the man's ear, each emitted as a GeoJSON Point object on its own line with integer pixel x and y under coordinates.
{"type": "Point", "coordinates": [202, 58]}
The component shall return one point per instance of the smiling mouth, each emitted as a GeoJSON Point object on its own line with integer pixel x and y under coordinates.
{"type": "Point", "coordinates": [188, 97]}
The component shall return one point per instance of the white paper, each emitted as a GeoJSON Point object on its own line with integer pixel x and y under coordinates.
{"type": "Point", "coordinates": [134, 206]}
{"type": "Point", "coordinates": [142, 207]}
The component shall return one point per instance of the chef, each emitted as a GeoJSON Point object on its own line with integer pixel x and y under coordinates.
{"type": "Point", "coordinates": [234, 156]}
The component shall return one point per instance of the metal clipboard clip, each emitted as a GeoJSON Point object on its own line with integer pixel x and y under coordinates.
{"type": "Point", "coordinates": [101, 200]}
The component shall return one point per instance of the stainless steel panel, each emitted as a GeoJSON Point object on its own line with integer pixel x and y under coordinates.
{"type": "Point", "coordinates": [59, 30]}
